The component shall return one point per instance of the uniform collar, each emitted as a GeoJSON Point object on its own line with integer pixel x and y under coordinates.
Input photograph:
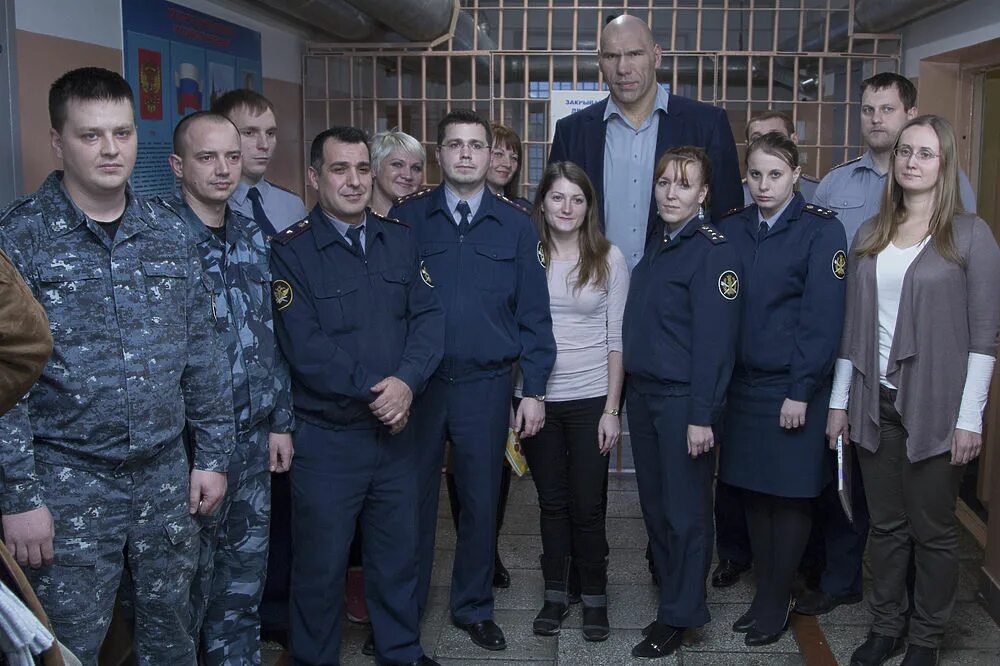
{"type": "Point", "coordinates": [773, 220]}
{"type": "Point", "coordinates": [452, 200]}
{"type": "Point", "coordinates": [63, 215]}
{"type": "Point", "coordinates": [325, 231]}
{"type": "Point", "coordinates": [201, 231]}
{"type": "Point", "coordinates": [867, 162]}
{"type": "Point", "coordinates": [242, 190]}
{"type": "Point", "coordinates": [487, 206]}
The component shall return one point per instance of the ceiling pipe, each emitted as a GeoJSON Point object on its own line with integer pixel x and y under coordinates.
{"type": "Point", "coordinates": [335, 17]}
{"type": "Point", "coordinates": [417, 20]}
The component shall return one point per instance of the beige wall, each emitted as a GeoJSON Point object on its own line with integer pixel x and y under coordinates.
{"type": "Point", "coordinates": [41, 59]}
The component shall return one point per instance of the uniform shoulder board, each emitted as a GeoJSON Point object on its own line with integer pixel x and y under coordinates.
{"type": "Point", "coordinates": [14, 206]}
{"type": "Point", "coordinates": [825, 213]}
{"type": "Point", "coordinates": [809, 178]}
{"type": "Point", "coordinates": [851, 161]}
{"type": "Point", "coordinates": [416, 195]}
{"type": "Point", "coordinates": [390, 220]}
{"type": "Point", "coordinates": [511, 202]}
{"type": "Point", "coordinates": [712, 233]}
{"type": "Point", "coordinates": [291, 232]}
{"type": "Point", "coordinates": [738, 209]}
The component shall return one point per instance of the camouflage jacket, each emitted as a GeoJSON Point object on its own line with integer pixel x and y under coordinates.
{"type": "Point", "coordinates": [135, 350]}
{"type": "Point", "coordinates": [239, 276]}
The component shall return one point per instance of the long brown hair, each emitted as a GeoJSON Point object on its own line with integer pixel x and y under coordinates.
{"type": "Point", "coordinates": [947, 202]}
{"type": "Point", "coordinates": [681, 157]}
{"type": "Point", "coordinates": [592, 266]}
{"type": "Point", "coordinates": [505, 137]}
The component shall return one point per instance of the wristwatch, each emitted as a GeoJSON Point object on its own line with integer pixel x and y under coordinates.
{"type": "Point", "coordinates": [612, 412]}
{"type": "Point", "coordinates": [539, 398]}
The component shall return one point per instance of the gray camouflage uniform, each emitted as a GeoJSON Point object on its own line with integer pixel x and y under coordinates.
{"type": "Point", "coordinates": [234, 541]}
{"type": "Point", "coordinates": [98, 439]}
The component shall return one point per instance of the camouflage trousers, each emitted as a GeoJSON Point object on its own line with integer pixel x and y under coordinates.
{"type": "Point", "coordinates": [232, 561]}
{"type": "Point", "coordinates": [138, 512]}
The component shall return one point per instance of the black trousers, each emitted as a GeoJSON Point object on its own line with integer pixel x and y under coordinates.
{"type": "Point", "coordinates": [912, 508]}
{"type": "Point", "coordinates": [779, 529]}
{"type": "Point", "coordinates": [571, 476]}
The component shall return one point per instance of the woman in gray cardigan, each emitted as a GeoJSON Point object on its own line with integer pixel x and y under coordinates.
{"type": "Point", "coordinates": [917, 354]}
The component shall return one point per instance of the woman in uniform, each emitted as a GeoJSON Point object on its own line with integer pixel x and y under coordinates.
{"type": "Point", "coordinates": [504, 175]}
{"type": "Point", "coordinates": [794, 264]}
{"type": "Point", "coordinates": [922, 318]}
{"type": "Point", "coordinates": [397, 166]}
{"type": "Point", "coordinates": [679, 341]}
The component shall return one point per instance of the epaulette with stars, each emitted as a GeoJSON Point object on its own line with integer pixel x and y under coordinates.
{"type": "Point", "coordinates": [738, 209]}
{"type": "Point", "coordinates": [851, 161]}
{"type": "Point", "coordinates": [416, 195]}
{"type": "Point", "coordinates": [825, 213]}
{"type": "Point", "coordinates": [513, 203]}
{"type": "Point", "coordinates": [712, 234]}
{"type": "Point", "coordinates": [390, 220]}
{"type": "Point", "coordinates": [291, 232]}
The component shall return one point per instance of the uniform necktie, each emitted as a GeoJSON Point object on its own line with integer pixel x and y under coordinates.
{"type": "Point", "coordinates": [259, 216]}
{"type": "Point", "coordinates": [762, 231]}
{"type": "Point", "coordinates": [354, 235]}
{"type": "Point", "coordinates": [463, 210]}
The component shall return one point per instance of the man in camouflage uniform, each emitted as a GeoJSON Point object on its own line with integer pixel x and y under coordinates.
{"type": "Point", "coordinates": [93, 462]}
{"type": "Point", "coordinates": [234, 256]}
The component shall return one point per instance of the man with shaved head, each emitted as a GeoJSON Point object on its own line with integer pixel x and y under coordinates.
{"type": "Point", "coordinates": [234, 255]}
{"type": "Point", "coordinates": [618, 140]}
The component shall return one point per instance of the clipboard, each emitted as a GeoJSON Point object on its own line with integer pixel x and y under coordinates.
{"type": "Point", "coordinates": [844, 480]}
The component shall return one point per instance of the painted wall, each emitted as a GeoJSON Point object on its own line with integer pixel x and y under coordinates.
{"type": "Point", "coordinates": [965, 24]}
{"type": "Point", "coordinates": [52, 34]}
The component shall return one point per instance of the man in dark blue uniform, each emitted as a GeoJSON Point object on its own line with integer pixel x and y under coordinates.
{"type": "Point", "coordinates": [488, 269]}
{"type": "Point", "coordinates": [362, 331]}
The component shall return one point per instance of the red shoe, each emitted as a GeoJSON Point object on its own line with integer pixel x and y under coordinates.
{"type": "Point", "coordinates": [354, 596]}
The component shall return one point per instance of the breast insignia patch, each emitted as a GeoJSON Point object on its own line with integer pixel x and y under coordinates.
{"type": "Point", "coordinates": [729, 285]}
{"type": "Point", "coordinates": [282, 292]}
{"type": "Point", "coordinates": [543, 258]}
{"type": "Point", "coordinates": [425, 275]}
{"type": "Point", "coordinates": [839, 264]}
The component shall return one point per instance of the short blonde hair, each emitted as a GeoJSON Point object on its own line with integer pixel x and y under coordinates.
{"type": "Point", "coordinates": [385, 143]}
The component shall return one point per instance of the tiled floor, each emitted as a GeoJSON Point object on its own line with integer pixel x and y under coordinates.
{"type": "Point", "coordinates": [972, 636]}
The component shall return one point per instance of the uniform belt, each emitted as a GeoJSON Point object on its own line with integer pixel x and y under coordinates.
{"type": "Point", "coordinates": [458, 371]}
{"type": "Point", "coordinates": [651, 386]}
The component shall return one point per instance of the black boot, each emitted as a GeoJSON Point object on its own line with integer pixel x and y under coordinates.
{"type": "Point", "coordinates": [594, 594]}
{"type": "Point", "coordinates": [555, 571]}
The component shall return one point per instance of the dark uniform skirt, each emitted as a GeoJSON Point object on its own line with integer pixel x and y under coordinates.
{"type": "Point", "coordinates": [758, 454]}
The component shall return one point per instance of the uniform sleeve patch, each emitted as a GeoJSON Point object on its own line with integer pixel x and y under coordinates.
{"type": "Point", "coordinates": [839, 264]}
{"type": "Point", "coordinates": [729, 285]}
{"type": "Point", "coordinates": [543, 258]}
{"type": "Point", "coordinates": [282, 292]}
{"type": "Point", "coordinates": [425, 275]}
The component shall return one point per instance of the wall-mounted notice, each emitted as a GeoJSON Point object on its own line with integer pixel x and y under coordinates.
{"type": "Point", "coordinates": [179, 60]}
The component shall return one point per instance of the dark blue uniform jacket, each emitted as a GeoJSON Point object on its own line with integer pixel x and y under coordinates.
{"type": "Point", "coordinates": [346, 321]}
{"type": "Point", "coordinates": [793, 304]}
{"type": "Point", "coordinates": [492, 285]}
{"type": "Point", "coordinates": [682, 317]}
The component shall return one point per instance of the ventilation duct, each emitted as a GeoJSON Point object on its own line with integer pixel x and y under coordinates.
{"type": "Point", "coordinates": [417, 20]}
{"type": "Point", "coordinates": [335, 17]}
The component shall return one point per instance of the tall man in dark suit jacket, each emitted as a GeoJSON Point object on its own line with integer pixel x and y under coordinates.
{"type": "Point", "coordinates": [617, 141]}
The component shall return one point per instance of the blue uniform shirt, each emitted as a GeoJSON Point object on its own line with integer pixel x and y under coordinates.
{"type": "Point", "coordinates": [683, 315]}
{"type": "Point", "coordinates": [492, 286]}
{"type": "Point", "coordinates": [239, 274]}
{"type": "Point", "coordinates": [793, 296]}
{"type": "Point", "coordinates": [283, 208]}
{"type": "Point", "coordinates": [346, 321]}
{"type": "Point", "coordinates": [853, 191]}
{"type": "Point", "coordinates": [136, 354]}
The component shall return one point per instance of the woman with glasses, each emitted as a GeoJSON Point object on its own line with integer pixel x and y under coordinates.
{"type": "Point", "coordinates": [916, 358]}
{"type": "Point", "coordinates": [397, 166]}
{"type": "Point", "coordinates": [794, 266]}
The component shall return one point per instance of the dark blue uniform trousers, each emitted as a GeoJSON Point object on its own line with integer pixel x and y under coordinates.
{"type": "Point", "coordinates": [732, 538]}
{"type": "Point", "coordinates": [475, 416]}
{"type": "Point", "coordinates": [337, 476]}
{"type": "Point", "coordinates": [675, 492]}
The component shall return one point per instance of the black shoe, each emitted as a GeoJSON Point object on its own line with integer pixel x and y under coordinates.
{"type": "Point", "coordinates": [877, 649]}
{"type": "Point", "coordinates": [821, 603]}
{"type": "Point", "coordinates": [662, 641]}
{"type": "Point", "coordinates": [595, 623]}
{"type": "Point", "coordinates": [279, 636]}
{"type": "Point", "coordinates": [744, 623]}
{"type": "Point", "coordinates": [728, 573]}
{"type": "Point", "coordinates": [756, 638]}
{"type": "Point", "coordinates": [918, 655]}
{"type": "Point", "coordinates": [368, 649]}
{"type": "Point", "coordinates": [549, 619]}
{"type": "Point", "coordinates": [486, 634]}
{"type": "Point", "coordinates": [648, 628]}
{"type": "Point", "coordinates": [423, 661]}
{"type": "Point", "coordinates": [501, 577]}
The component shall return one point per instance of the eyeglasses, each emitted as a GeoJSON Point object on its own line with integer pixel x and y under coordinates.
{"type": "Point", "coordinates": [456, 146]}
{"type": "Point", "coordinates": [923, 155]}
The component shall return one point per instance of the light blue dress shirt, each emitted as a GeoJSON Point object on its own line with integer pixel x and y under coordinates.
{"type": "Point", "coordinates": [629, 160]}
{"type": "Point", "coordinates": [453, 200]}
{"type": "Point", "coordinates": [343, 227]}
{"type": "Point", "coordinates": [282, 207]}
